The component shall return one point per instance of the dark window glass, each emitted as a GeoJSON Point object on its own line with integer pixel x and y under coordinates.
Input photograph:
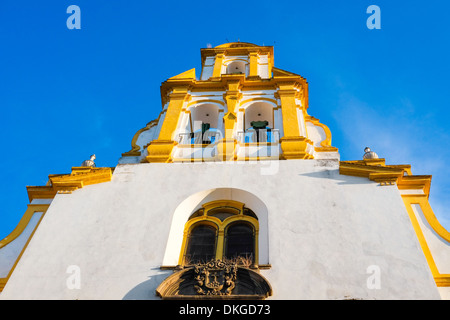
{"type": "Point", "coordinates": [201, 244]}
{"type": "Point", "coordinates": [239, 242]}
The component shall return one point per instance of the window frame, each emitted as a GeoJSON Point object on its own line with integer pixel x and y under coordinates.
{"type": "Point", "coordinates": [221, 227]}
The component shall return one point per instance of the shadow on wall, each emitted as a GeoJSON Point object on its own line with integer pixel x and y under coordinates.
{"type": "Point", "coordinates": [147, 290]}
{"type": "Point", "coordinates": [334, 175]}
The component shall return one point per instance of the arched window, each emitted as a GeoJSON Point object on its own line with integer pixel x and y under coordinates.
{"type": "Point", "coordinates": [236, 67]}
{"type": "Point", "coordinates": [222, 229]}
{"type": "Point", "coordinates": [201, 244]}
{"type": "Point", "coordinates": [240, 242]}
{"type": "Point", "coordinates": [204, 123]}
{"type": "Point", "coordinates": [259, 123]}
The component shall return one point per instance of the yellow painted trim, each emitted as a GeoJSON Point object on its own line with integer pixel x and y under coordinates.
{"type": "Point", "coordinates": [274, 101]}
{"type": "Point", "coordinates": [287, 94]}
{"type": "Point", "coordinates": [218, 65]}
{"type": "Point", "coordinates": [32, 208]}
{"type": "Point", "coordinates": [66, 183]}
{"type": "Point", "coordinates": [377, 170]}
{"type": "Point", "coordinates": [326, 143]}
{"type": "Point", "coordinates": [189, 74]}
{"type": "Point", "coordinates": [442, 280]}
{"type": "Point", "coordinates": [227, 61]}
{"type": "Point", "coordinates": [193, 102]}
{"type": "Point", "coordinates": [277, 72]}
{"type": "Point", "coordinates": [253, 57]}
{"type": "Point", "coordinates": [23, 223]}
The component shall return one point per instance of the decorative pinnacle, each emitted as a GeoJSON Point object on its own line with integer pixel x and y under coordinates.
{"type": "Point", "coordinates": [90, 162]}
{"type": "Point", "coordinates": [369, 154]}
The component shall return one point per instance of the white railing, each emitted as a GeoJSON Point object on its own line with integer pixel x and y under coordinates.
{"type": "Point", "coordinates": [208, 137]}
{"type": "Point", "coordinates": [262, 136]}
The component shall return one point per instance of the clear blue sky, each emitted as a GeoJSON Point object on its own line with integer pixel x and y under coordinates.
{"type": "Point", "coordinates": [66, 94]}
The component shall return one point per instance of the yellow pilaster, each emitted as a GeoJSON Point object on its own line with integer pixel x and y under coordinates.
{"type": "Point", "coordinates": [159, 150]}
{"type": "Point", "coordinates": [227, 145]}
{"type": "Point", "coordinates": [293, 145]}
{"type": "Point", "coordinates": [218, 65]}
{"type": "Point", "coordinates": [253, 64]}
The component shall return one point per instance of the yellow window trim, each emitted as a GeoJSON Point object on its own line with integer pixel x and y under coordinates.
{"type": "Point", "coordinates": [220, 225]}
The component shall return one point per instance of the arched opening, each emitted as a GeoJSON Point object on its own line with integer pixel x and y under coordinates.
{"type": "Point", "coordinates": [192, 207]}
{"type": "Point", "coordinates": [258, 126]}
{"type": "Point", "coordinates": [221, 230]}
{"type": "Point", "coordinates": [204, 123]}
{"type": "Point", "coordinates": [236, 67]}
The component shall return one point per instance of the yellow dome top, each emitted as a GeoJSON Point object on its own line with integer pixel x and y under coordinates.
{"type": "Point", "coordinates": [237, 45]}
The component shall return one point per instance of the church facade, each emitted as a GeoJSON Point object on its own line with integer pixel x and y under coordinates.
{"type": "Point", "coordinates": [233, 192]}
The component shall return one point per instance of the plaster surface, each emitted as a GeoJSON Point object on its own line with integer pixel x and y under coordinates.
{"type": "Point", "coordinates": [323, 233]}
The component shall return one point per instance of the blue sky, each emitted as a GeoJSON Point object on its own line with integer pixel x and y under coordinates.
{"type": "Point", "coordinates": [66, 94]}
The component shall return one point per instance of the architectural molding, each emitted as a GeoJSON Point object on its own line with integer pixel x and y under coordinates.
{"type": "Point", "coordinates": [66, 183]}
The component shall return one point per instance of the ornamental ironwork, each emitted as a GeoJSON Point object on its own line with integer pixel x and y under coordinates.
{"type": "Point", "coordinates": [215, 277]}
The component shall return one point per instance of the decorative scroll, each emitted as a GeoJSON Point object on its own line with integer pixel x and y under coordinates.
{"type": "Point", "coordinates": [215, 279]}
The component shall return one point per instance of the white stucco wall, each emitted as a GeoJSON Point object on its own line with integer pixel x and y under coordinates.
{"type": "Point", "coordinates": [323, 232]}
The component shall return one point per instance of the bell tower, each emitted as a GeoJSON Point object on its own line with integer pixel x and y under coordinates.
{"type": "Point", "coordinates": [242, 108]}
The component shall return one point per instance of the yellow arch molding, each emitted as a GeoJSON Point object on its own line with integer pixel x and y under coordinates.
{"type": "Point", "coordinates": [442, 280]}
{"type": "Point", "coordinates": [23, 223]}
{"type": "Point", "coordinates": [205, 101]}
{"type": "Point", "coordinates": [228, 61]}
{"type": "Point", "coordinates": [274, 101]}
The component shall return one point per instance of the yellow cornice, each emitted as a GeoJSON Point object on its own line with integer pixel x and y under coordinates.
{"type": "Point", "coordinates": [374, 169]}
{"type": "Point", "coordinates": [295, 85]}
{"type": "Point", "coordinates": [377, 170]}
{"type": "Point", "coordinates": [66, 183]}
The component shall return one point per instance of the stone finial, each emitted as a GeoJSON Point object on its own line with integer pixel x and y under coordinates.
{"type": "Point", "coordinates": [90, 162]}
{"type": "Point", "coordinates": [369, 154]}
